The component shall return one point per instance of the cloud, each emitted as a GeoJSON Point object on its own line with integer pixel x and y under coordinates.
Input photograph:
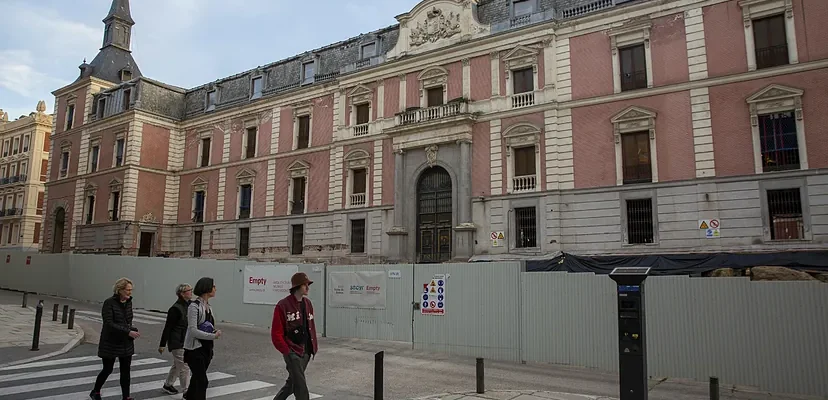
{"type": "Point", "coordinates": [18, 74]}
{"type": "Point", "coordinates": [45, 30]}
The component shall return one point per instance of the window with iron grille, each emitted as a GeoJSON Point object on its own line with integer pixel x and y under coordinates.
{"type": "Point", "coordinates": [526, 229]}
{"type": "Point", "coordinates": [358, 236]}
{"type": "Point", "coordinates": [770, 41]}
{"type": "Point", "coordinates": [635, 150]}
{"type": "Point", "coordinates": [785, 214]}
{"type": "Point", "coordinates": [780, 148]}
{"type": "Point", "coordinates": [244, 242]}
{"type": "Point", "coordinates": [640, 221]}
{"type": "Point", "coordinates": [197, 243]}
{"type": "Point", "coordinates": [297, 239]}
{"type": "Point", "coordinates": [633, 67]}
{"type": "Point", "coordinates": [523, 80]}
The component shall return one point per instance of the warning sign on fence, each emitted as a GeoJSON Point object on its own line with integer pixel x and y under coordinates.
{"type": "Point", "coordinates": [434, 296]}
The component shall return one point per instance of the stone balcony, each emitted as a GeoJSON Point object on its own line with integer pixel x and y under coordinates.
{"type": "Point", "coordinates": [446, 111]}
{"type": "Point", "coordinates": [523, 184]}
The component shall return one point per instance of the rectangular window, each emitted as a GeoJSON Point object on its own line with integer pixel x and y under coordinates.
{"type": "Point", "coordinates": [633, 67]}
{"type": "Point", "coordinates": [211, 100]}
{"type": "Point", "coordinates": [770, 42]}
{"type": "Point", "coordinates": [205, 152]}
{"type": "Point", "coordinates": [119, 152]}
{"type": "Point", "coordinates": [90, 209]}
{"type": "Point", "coordinates": [362, 113]}
{"type": "Point", "coordinates": [64, 163]}
{"type": "Point", "coordinates": [256, 91]}
{"type": "Point", "coordinates": [522, 7]}
{"type": "Point", "coordinates": [244, 242]}
{"type": "Point", "coordinates": [101, 108]}
{"type": "Point", "coordinates": [780, 149]}
{"type": "Point", "coordinates": [297, 239]}
{"type": "Point", "coordinates": [36, 238]}
{"type": "Point", "coordinates": [6, 145]}
{"type": "Point", "coordinates": [358, 236]}
{"type": "Point", "coordinates": [525, 178]}
{"type": "Point", "coordinates": [303, 137]}
{"type": "Point", "coordinates": [526, 229]}
{"type": "Point", "coordinates": [23, 171]}
{"type": "Point", "coordinates": [44, 166]}
{"type": "Point", "coordinates": [26, 143]}
{"type": "Point", "coordinates": [635, 152]}
{"type": "Point", "coordinates": [40, 197]}
{"type": "Point", "coordinates": [245, 197]}
{"type": "Point", "coordinates": [308, 71]}
{"type": "Point", "coordinates": [785, 214]}
{"type": "Point", "coordinates": [13, 170]}
{"type": "Point", "coordinates": [115, 205]}
{"type": "Point", "coordinates": [198, 207]}
{"type": "Point", "coordinates": [16, 145]}
{"type": "Point", "coordinates": [523, 80]}
{"type": "Point", "coordinates": [298, 202]}
{"type": "Point", "coordinates": [250, 148]}
{"type": "Point", "coordinates": [434, 96]}
{"type": "Point", "coordinates": [93, 158]}
{"type": "Point", "coordinates": [640, 221]}
{"type": "Point", "coordinates": [197, 243]}
{"type": "Point", "coordinates": [369, 50]}
{"type": "Point", "coordinates": [360, 178]}
{"type": "Point", "coordinates": [127, 96]}
{"type": "Point", "coordinates": [70, 116]}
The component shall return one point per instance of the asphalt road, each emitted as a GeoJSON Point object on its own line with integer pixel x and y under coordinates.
{"type": "Point", "coordinates": [343, 369]}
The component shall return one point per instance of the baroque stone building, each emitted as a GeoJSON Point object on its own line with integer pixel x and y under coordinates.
{"type": "Point", "coordinates": [471, 127]}
{"type": "Point", "coordinates": [23, 163]}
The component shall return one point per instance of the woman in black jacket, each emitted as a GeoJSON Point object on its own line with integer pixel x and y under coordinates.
{"type": "Point", "coordinates": [117, 335]}
{"type": "Point", "coordinates": [173, 338]}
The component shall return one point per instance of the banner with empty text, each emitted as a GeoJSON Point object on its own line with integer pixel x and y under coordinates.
{"type": "Point", "coordinates": [363, 289]}
{"type": "Point", "coordinates": [267, 284]}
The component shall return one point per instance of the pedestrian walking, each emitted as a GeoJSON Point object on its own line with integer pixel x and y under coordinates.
{"type": "Point", "coordinates": [293, 333]}
{"type": "Point", "coordinates": [198, 342]}
{"type": "Point", "coordinates": [117, 336]}
{"type": "Point", "coordinates": [175, 330]}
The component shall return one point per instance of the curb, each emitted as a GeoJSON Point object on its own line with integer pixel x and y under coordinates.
{"type": "Point", "coordinates": [69, 346]}
{"type": "Point", "coordinates": [525, 391]}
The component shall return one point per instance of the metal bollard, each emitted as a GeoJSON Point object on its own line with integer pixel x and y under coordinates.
{"type": "Point", "coordinates": [71, 318]}
{"type": "Point", "coordinates": [714, 388]}
{"type": "Point", "coordinates": [36, 335]}
{"type": "Point", "coordinates": [378, 360]}
{"type": "Point", "coordinates": [481, 384]}
{"type": "Point", "coordinates": [54, 312]}
{"type": "Point", "coordinates": [63, 316]}
{"type": "Point", "coordinates": [25, 299]}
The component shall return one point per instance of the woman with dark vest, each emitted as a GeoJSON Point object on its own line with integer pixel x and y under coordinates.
{"type": "Point", "coordinates": [198, 342]}
{"type": "Point", "coordinates": [173, 337]}
{"type": "Point", "coordinates": [117, 335]}
{"type": "Point", "coordinates": [293, 332]}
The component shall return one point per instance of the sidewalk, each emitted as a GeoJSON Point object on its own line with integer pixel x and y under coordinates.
{"type": "Point", "coordinates": [514, 395]}
{"type": "Point", "coordinates": [17, 329]}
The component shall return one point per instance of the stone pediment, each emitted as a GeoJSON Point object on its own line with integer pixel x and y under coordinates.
{"type": "Point", "coordinates": [434, 24]}
{"type": "Point", "coordinates": [360, 94]}
{"type": "Point", "coordinates": [633, 113]}
{"type": "Point", "coordinates": [774, 92]}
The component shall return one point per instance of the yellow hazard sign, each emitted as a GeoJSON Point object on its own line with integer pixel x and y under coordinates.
{"type": "Point", "coordinates": [703, 225]}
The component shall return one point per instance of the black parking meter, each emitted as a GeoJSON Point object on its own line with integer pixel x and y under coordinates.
{"type": "Point", "coordinates": [632, 336]}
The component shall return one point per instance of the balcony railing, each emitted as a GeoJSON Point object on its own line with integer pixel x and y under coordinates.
{"type": "Point", "coordinates": [634, 80]}
{"type": "Point", "coordinates": [198, 216]}
{"type": "Point", "coordinates": [358, 200]}
{"type": "Point", "coordinates": [13, 179]}
{"type": "Point", "coordinates": [772, 56]}
{"type": "Point", "coordinates": [297, 207]}
{"type": "Point", "coordinates": [361, 129]}
{"type": "Point", "coordinates": [526, 183]}
{"type": "Point", "coordinates": [9, 212]}
{"type": "Point", "coordinates": [432, 113]}
{"type": "Point", "coordinates": [525, 99]}
{"type": "Point", "coordinates": [244, 212]}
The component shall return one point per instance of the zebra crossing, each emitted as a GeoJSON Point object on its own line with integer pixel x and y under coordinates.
{"type": "Point", "coordinates": [138, 316]}
{"type": "Point", "coordinates": [73, 378]}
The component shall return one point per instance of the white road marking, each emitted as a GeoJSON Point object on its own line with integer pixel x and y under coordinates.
{"type": "Point", "coordinates": [71, 370]}
{"type": "Point", "coordinates": [51, 363]}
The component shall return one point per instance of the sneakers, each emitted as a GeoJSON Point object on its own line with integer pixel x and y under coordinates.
{"type": "Point", "coordinates": [169, 389]}
{"type": "Point", "coordinates": [95, 395]}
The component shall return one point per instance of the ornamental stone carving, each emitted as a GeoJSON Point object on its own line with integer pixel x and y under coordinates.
{"type": "Point", "coordinates": [148, 218]}
{"type": "Point", "coordinates": [431, 155]}
{"type": "Point", "coordinates": [436, 26]}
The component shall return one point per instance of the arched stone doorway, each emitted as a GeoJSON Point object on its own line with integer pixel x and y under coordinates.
{"type": "Point", "coordinates": [57, 233]}
{"type": "Point", "coordinates": [434, 215]}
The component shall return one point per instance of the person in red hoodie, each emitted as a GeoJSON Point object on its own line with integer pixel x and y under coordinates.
{"type": "Point", "coordinates": [293, 333]}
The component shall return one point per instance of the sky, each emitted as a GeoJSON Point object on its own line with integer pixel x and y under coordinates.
{"type": "Point", "coordinates": [184, 43]}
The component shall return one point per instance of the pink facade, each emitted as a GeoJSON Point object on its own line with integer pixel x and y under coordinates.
{"type": "Point", "coordinates": [591, 65]}
{"type": "Point", "coordinates": [412, 90]}
{"type": "Point", "coordinates": [80, 106]}
{"type": "Point", "coordinates": [594, 146]}
{"type": "Point", "coordinates": [481, 160]}
{"type": "Point", "coordinates": [232, 187]}
{"type": "Point", "coordinates": [323, 111]}
{"type": "Point", "coordinates": [668, 44]}
{"type": "Point", "coordinates": [811, 29]}
{"type": "Point", "coordinates": [726, 54]}
{"type": "Point", "coordinates": [151, 190]}
{"type": "Point", "coordinates": [480, 69]}
{"type": "Point", "coordinates": [74, 140]}
{"type": "Point", "coordinates": [535, 119]}
{"type": "Point", "coordinates": [392, 96]}
{"type": "Point", "coordinates": [286, 130]}
{"type": "Point", "coordinates": [317, 191]}
{"type": "Point", "coordinates": [454, 88]}
{"type": "Point", "coordinates": [155, 143]}
{"type": "Point", "coordinates": [732, 140]}
{"type": "Point", "coordinates": [101, 214]}
{"type": "Point", "coordinates": [186, 193]}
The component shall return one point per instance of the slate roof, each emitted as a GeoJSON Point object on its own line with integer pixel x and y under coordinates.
{"type": "Point", "coordinates": [120, 9]}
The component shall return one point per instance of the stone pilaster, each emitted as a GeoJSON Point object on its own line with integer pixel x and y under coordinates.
{"type": "Point", "coordinates": [466, 78]}
{"type": "Point", "coordinates": [495, 64]}
{"type": "Point", "coordinates": [377, 186]}
{"type": "Point", "coordinates": [77, 211]}
{"type": "Point", "coordinates": [380, 106]}
{"type": "Point", "coordinates": [171, 199]}
{"type": "Point", "coordinates": [702, 132]}
{"type": "Point", "coordinates": [175, 160]}
{"type": "Point", "coordinates": [335, 179]}
{"type": "Point", "coordinates": [398, 233]}
{"type": "Point", "coordinates": [225, 152]}
{"type": "Point", "coordinates": [550, 132]}
{"type": "Point", "coordinates": [134, 142]}
{"type": "Point", "coordinates": [564, 71]}
{"type": "Point", "coordinates": [566, 164]}
{"type": "Point", "coordinates": [275, 125]}
{"type": "Point", "coordinates": [271, 188]}
{"type": "Point", "coordinates": [402, 92]}
{"type": "Point", "coordinates": [496, 157]}
{"type": "Point", "coordinates": [221, 189]}
{"type": "Point", "coordinates": [464, 231]}
{"type": "Point", "coordinates": [129, 197]}
{"type": "Point", "coordinates": [696, 48]}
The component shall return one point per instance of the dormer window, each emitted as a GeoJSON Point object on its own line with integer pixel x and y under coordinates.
{"type": "Point", "coordinates": [522, 7]}
{"type": "Point", "coordinates": [211, 100]}
{"type": "Point", "coordinates": [308, 72]}
{"type": "Point", "coordinates": [126, 75]}
{"type": "Point", "coordinates": [256, 87]}
{"type": "Point", "coordinates": [101, 108]}
{"type": "Point", "coordinates": [368, 50]}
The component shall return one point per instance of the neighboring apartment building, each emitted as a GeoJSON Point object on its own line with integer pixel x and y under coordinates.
{"type": "Point", "coordinates": [23, 163]}
{"type": "Point", "coordinates": [587, 126]}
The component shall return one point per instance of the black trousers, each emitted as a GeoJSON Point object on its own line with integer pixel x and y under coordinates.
{"type": "Point", "coordinates": [296, 383]}
{"type": "Point", "coordinates": [198, 360]}
{"type": "Point", "coordinates": [108, 366]}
